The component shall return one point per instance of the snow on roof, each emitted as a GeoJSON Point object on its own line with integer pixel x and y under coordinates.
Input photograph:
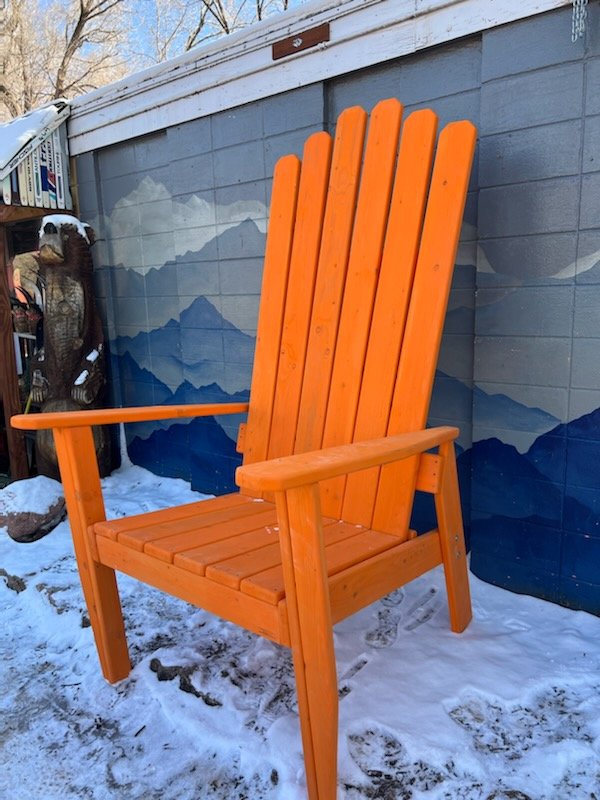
{"type": "Point", "coordinates": [66, 219]}
{"type": "Point", "coordinates": [19, 136]}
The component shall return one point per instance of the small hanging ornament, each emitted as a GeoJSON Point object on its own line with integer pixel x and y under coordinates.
{"type": "Point", "coordinates": [579, 17]}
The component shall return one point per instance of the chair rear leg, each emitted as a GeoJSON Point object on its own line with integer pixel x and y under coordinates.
{"type": "Point", "coordinates": [452, 540]}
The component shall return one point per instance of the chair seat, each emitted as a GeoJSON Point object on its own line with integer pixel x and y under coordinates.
{"type": "Point", "coordinates": [233, 541]}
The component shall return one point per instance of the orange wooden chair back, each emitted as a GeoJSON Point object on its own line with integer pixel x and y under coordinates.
{"type": "Point", "coordinates": [360, 254]}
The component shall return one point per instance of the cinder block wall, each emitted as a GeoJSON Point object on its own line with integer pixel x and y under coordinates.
{"type": "Point", "coordinates": [181, 217]}
{"type": "Point", "coordinates": [536, 483]}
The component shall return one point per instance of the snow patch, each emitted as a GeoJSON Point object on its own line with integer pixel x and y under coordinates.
{"type": "Point", "coordinates": [36, 495]}
{"type": "Point", "coordinates": [508, 709]}
{"type": "Point", "coordinates": [81, 378]}
{"type": "Point", "coordinates": [65, 219]}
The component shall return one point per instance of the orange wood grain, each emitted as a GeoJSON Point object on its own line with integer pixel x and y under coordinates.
{"type": "Point", "coordinates": [278, 251]}
{"type": "Point", "coordinates": [312, 640]}
{"type": "Point", "coordinates": [112, 416]}
{"type": "Point", "coordinates": [83, 498]}
{"type": "Point", "coordinates": [211, 538]}
{"type": "Point", "coordinates": [305, 468]}
{"type": "Point", "coordinates": [331, 276]}
{"type": "Point", "coordinates": [165, 516]}
{"type": "Point", "coordinates": [452, 540]}
{"type": "Point", "coordinates": [261, 618]}
{"type": "Point", "coordinates": [368, 235]}
{"type": "Point", "coordinates": [424, 324]}
{"type": "Point", "coordinates": [362, 584]}
{"type": "Point", "coordinates": [394, 289]}
{"type": "Point", "coordinates": [312, 195]}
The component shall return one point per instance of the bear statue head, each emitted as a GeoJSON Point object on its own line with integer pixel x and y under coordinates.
{"type": "Point", "coordinates": [62, 236]}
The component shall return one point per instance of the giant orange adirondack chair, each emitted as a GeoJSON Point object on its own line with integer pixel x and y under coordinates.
{"type": "Point", "coordinates": [360, 252]}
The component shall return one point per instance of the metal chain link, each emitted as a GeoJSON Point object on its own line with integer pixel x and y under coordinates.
{"type": "Point", "coordinates": [579, 17]}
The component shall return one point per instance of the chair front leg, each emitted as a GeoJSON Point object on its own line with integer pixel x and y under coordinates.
{"type": "Point", "coordinates": [81, 484]}
{"type": "Point", "coordinates": [307, 593]}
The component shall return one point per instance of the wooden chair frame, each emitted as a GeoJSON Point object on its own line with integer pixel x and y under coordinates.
{"type": "Point", "coordinates": [390, 227]}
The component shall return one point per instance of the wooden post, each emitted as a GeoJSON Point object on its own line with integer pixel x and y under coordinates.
{"type": "Point", "coordinates": [9, 386]}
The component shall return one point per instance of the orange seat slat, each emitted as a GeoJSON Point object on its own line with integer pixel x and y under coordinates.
{"type": "Point", "coordinates": [253, 565]}
{"type": "Point", "coordinates": [346, 545]}
{"type": "Point", "coordinates": [199, 558]}
{"type": "Point", "coordinates": [112, 528]}
{"type": "Point", "coordinates": [158, 525]}
{"type": "Point", "coordinates": [167, 548]}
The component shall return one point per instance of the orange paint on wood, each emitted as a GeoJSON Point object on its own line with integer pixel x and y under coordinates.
{"type": "Point", "coordinates": [394, 289]}
{"type": "Point", "coordinates": [274, 286]}
{"type": "Point", "coordinates": [368, 235]}
{"type": "Point", "coordinates": [314, 178]}
{"type": "Point", "coordinates": [426, 315]}
{"type": "Point", "coordinates": [331, 276]}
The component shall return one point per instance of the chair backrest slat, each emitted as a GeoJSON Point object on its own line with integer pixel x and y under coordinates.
{"type": "Point", "coordinates": [312, 195]}
{"type": "Point", "coordinates": [331, 277]}
{"type": "Point", "coordinates": [370, 224]}
{"type": "Point", "coordinates": [407, 209]}
{"type": "Point", "coordinates": [429, 300]}
{"type": "Point", "coordinates": [286, 181]}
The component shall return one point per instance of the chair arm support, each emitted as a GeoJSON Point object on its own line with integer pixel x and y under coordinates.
{"type": "Point", "coordinates": [110, 416]}
{"type": "Point", "coordinates": [303, 469]}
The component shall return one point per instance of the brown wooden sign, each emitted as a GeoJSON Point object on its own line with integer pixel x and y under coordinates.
{"type": "Point", "coordinates": [301, 41]}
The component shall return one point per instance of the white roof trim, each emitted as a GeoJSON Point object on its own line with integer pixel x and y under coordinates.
{"type": "Point", "coordinates": [239, 69]}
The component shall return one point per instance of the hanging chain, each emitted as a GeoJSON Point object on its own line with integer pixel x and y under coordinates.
{"type": "Point", "coordinates": [579, 17]}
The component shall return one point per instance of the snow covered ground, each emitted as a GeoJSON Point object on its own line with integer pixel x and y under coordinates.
{"type": "Point", "coordinates": [508, 710]}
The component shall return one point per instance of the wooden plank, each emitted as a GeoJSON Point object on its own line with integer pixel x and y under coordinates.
{"type": "Point", "coordinates": [112, 528]}
{"type": "Point", "coordinates": [402, 240]}
{"type": "Point", "coordinates": [429, 474]}
{"type": "Point", "coordinates": [197, 559]}
{"type": "Point", "coordinates": [274, 286]}
{"type": "Point", "coordinates": [141, 537]}
{"type": "Point", "coordinates": [439, 243]}
{"type": "Point", "coordinates": [305, 468]}
{"type": "Point", "coordinates": [452, 540]}
{"type": "Point", "coordinates": [331, 276]}
{"type": "Point", "coordinates": [9, 384]}
{"type": "Point", "coordinates": [83, 497]}
{"type": "Point", "coordinates": [261, 618]}
{"type": "Point", "coordinates": [361, 283]}
{"type": "Point", "coordinates": [363, 584]}
{"type": "Point", "coordinates": [316, 162]}
{"type": "Point", "coordinates": [214, 535]}
{"type": "Point", "coordinates": [113, 416]}
{"type": "Point", "coordinates": [259, 568]}
{"type": "Point", "coordinates": [345, 545]}
{"type": "Point", "coordinates": [289, 607]}
{"type": "Point", "coordinates": [314, 655]}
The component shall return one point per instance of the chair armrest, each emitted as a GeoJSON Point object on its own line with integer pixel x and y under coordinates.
{"type": "Point", "coordinates": [110, 416]}
{"type": "Point", "coordinates": [302, 469]}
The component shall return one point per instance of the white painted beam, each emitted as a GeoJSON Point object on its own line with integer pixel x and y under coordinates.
{"type": "Point", "coordinates": [238, 69]}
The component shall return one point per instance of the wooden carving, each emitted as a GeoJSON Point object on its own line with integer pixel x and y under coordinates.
{"type": "Point", "coordinates": [69, 371]}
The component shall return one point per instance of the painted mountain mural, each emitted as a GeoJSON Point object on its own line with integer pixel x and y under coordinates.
{"type": "Point", "coordinates": [199, 451]}
{"type": "Point", "coordinates": [535, 517]}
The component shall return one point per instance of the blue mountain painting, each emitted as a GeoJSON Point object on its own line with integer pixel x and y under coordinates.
{"type": "Point", "coordinates": [535, 518]}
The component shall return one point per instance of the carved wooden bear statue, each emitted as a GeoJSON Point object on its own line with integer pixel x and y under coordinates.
{"type": "Point", "coordinates": [69, 372]}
